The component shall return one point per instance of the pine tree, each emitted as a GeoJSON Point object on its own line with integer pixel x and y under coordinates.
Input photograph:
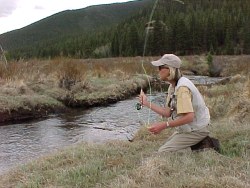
{"type": "Point", "coordinates": [158, 36]}
{"type": "Point", "coordinates": [246, 35]}
{"type": "Point", "coordinates": [133, 40]}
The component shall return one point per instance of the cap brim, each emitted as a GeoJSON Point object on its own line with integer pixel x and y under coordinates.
{"type": "Point", "coordinates": [157, 63]}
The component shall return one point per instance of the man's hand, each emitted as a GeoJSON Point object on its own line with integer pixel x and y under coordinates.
{"type": "Point", "coordinates": [156, 128]}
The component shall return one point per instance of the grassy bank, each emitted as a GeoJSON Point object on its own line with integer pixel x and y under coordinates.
{"type": "Point", "coordinates": [134, 164]}
{"type": "Point", "coordinates": [36, 88]}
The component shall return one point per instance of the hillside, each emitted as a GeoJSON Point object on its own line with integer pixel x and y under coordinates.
{"type": "Point", "coordinates": [71, 22]}
{"type": "Point", "coordinates": [184, 27]}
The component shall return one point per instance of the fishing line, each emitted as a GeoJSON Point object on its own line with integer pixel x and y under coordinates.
{"type": "Point", "coordinates": [142, 64]}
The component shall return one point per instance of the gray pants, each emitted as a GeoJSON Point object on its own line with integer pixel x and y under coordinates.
{"type": "Point", "coordinates": [181, 141]}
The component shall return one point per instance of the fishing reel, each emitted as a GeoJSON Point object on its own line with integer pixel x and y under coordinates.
{"type": "Point", "coordinates": [138, 106]}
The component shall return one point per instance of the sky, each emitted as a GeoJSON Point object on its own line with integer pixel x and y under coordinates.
{"type": "Point", "coordinates": [15, 14]}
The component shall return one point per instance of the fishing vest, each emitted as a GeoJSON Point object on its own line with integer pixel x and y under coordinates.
{"type": "Point", "coordinates": [201, 112]}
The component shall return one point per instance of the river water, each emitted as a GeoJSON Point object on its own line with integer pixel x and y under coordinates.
{"type": "Point", "coordinates": [20, 143]}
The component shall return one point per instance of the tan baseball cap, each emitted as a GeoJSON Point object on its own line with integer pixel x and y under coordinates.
{"type": "Point", "coordinates": [168, 59]}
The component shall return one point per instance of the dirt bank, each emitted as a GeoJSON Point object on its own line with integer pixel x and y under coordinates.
{"type": "Point", "coordinates": [35, 103]}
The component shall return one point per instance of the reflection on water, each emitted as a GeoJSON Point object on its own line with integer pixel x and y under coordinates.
{"type": "Point", "coordinates": [20, 143]}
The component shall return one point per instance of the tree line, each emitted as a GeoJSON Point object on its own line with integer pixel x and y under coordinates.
{"type": "Point", "coordinates": [198, 26]}
{"type": "Point", "coordinates": [195, 27]}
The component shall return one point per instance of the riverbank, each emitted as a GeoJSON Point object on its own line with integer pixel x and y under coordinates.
{"type": "Point", "coordinates": [37, 104]}
{"type": "Point", "coordinates": [46, 87]}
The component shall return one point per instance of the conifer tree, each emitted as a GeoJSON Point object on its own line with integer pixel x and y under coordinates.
{"type": "Point", "coordinates": [246, 35]}
{"type": "Point", "coordinates": [158, 36]}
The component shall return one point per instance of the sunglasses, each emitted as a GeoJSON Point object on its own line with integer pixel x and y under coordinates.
{"type": "Point", "coordinates": [162, 67]}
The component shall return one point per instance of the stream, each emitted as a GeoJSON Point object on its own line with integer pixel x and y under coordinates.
{"type": "Point", "coordinates": [20, 143]}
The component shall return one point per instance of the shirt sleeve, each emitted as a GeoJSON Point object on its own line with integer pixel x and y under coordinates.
{"type": "Point", "coordinates": [184, 100]}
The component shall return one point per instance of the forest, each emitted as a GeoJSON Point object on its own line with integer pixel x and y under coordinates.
{"type": "Point", "coordinates": [185, 27]}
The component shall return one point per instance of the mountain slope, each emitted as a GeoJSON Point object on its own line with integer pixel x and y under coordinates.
{"type": "Point", "coordinates": [71, 22]}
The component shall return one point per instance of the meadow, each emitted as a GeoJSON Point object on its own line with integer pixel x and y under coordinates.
{"type": "Point", "coordinates": [135, 164]}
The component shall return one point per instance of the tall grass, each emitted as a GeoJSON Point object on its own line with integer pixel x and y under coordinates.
{"type": "Point", "coordinates": [61, 78]}
{"type": "Point", "coordinates": [77, 70]}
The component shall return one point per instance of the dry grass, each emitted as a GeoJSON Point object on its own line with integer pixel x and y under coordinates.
{"type": "Point", "coordinates": [206, 169]}
{"type": "Point", "coordinates": [77, 70]}
{"type": "Point", "coordinates": [196, 64]}
{"type": "Point", "coordinates": [230, 100]}
{"type": "Point", "coordinates": [26, 84]}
